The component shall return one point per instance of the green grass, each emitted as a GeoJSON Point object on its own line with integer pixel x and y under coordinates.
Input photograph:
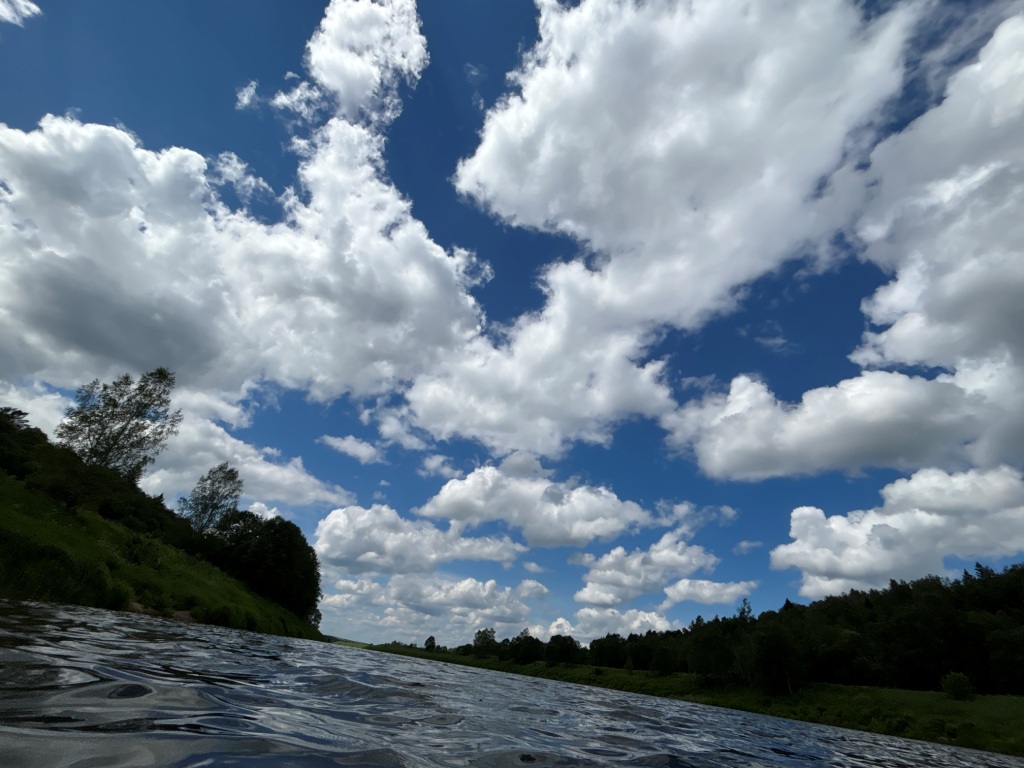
{"type": "Point", "coordinates": [51, 554]}
{"type": "Point", "coordinates": [992, 723]}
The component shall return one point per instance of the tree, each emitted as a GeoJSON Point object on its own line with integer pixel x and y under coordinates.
{"type": "Point", "coordinates": [122, 425]}
{"type": "Point", "coordinates": [215, 495]}
{"type": "Point", "coordinates": [430, 644]}
{"type": "Point", "coordinates": [484, 642]}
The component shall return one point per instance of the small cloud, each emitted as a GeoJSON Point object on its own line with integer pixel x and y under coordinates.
{"type": "Point", "coordinates": [230, 169]}
{"type": "Point", "coordinates": [16, 11]}
{"type": "Point", "coordinates": [245, 97]}
{"type": "Point", "coordinates": [438, 465]}
{"type": "Point", "coordinates": [262, 510]}
{"type": "Point", "coordinates": [474, 74]}
{"type": "Point", "coordinates": [304, 100]}
{"type": "Point", "coordinates": [532, 567]}
{"type": "Point", "coordinates": [746, 546]}
{"type": "Point", "coordinates": [362, 451]}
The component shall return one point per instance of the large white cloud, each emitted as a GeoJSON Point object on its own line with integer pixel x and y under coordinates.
{"type": "Point", "coordinates": [356, 540]}
{"type": "Point", "coordinates": [922, 520]}
{"type": "Point", "coordinates": [119, 257]}
{"type": "Point", "coordinates": [682, 144]}
{"type": "Point", "coordinates": [410, 608]}
{"type": "Point", "coordinates": [620, 576]}
{"type": "Point", "coordinates": [878, 419]}
{"type": "Point", "coordinates": [943, 216]}
{"type": "Point", "coordinates": [549, 514]}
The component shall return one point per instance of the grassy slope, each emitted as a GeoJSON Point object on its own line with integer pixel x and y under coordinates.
{"type": "Point", "coordinates": [992, 723]}
{"type": "Point", "coordinates": [50, 554]}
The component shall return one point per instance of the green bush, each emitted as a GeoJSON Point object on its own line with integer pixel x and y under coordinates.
{"type": "Point", "coordinates": [957, 686]}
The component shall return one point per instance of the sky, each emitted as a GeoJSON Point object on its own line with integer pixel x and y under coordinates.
{"type": "Point", "coordinates": [579, 317]}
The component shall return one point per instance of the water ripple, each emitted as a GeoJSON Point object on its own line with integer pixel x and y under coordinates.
{"type": "Point", "coordinates": [82, 688]}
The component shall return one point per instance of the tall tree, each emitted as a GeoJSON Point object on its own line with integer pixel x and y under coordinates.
{"type": "Point", "coordinates": [122, 425]}
{"type": "Point", "coordinates": [215, 495]}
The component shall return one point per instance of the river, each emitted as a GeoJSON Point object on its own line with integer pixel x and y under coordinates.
{"type": "Point", "coordinates": [81, 687]}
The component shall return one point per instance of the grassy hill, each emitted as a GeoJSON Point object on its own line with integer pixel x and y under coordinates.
{"type": "Point", "coordinates": [54, 553]}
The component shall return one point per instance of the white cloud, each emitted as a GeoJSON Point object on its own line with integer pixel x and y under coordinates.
{"type": "Point", "coordinates": [262, 510]}
{"type": "Point", "coordinates": [201, 444]}
{"type": "Point", "coordinates": [409, 608]}
{"type": "Point", "coordinates": [706, 592]}
{"type": "Point", "coordinates": [549, 514]}
{"type": "Point", "coordinates": [245, 97]}
{"type": "Point", "coordinates": [111, 244]}
{"type": "Point", "coordinates": [361, 52]}
{"type": "Point", "coordinates": [592, 623]}
{"type": "Point", "coordinates": [350, 445]}
{"type": "Point", "coordinates": [378, 540]}
{"type": "Point", "coordinates": [943, 216]}
{"type": "Point", "coordinates": [682, 145]}
{"type": "Point", "coordinates": [45, 408]}
{"type": "Point", "coordinates": [878, 419]}
{"type": "Point", "coordinates": [923, 519]}
{"type": "Point", "coordinates": [746, 546]}
{"type": "Point", "coordinates": [436, 465]}
{"type": "Point", "coordinates": [16, 11]}
{"type": "Point", "coordinates": [620, 576]}
{"type": "Point", "coordinates": [533, 567]}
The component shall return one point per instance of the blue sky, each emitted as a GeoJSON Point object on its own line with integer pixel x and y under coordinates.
{"type": "Point", "coordinates": [586, 317]}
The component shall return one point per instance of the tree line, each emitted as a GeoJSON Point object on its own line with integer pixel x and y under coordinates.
{"type": "Point", "coordinates": [104, 444]}
{"type": "Point", "coordinates": [964, 635]}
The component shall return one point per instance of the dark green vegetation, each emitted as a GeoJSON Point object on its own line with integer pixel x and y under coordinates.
{"type": "Point", "coordinates": [931, 659]}
{"type": "Point", "coordinates": [79, 530]}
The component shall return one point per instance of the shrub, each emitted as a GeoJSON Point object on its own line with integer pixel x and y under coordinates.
{"type": "Point", "coordinates": [957, 686]}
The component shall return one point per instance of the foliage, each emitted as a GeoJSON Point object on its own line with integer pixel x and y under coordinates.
{"type": "Point", "coordinates": [80, 557]}
{"type": "Point", "coordinates": [122, 425]}
{"type": "Point", "coordinates": [957, 686]}
{"type": "Point", "coordinates": [215, 496]}
{"type": "Point", "coordinates": [272, 557]}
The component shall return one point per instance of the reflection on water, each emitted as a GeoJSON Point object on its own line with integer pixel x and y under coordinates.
{"type": "Point", "coordinates": [84, 687]}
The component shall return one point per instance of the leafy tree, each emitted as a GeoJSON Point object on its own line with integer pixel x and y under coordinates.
{"type": "Point", "coordinates": [15, 417]}
{"type": "Point", "coordinates": [215, 495]}
{"type": "Point", "coordinates": [484, 643]}
{"type": "Point", "coordinates": [272, 558]}
{"type": "Point", "coordinates": [430, 644]}
{"type": "Point", "coordinates": [122, 425]}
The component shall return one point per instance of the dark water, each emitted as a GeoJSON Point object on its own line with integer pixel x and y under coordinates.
{"type": "Point", "coordinates": [83, 687]}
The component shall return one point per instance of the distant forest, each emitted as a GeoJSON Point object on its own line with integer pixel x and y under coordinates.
{"type": "Point", "coordinates": [964, 636]}
{"type": "Point", "coordinates": [92, 470]}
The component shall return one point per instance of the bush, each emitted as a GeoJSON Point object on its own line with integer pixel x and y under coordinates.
{"type": "Point", "coordinates": [957, 686]}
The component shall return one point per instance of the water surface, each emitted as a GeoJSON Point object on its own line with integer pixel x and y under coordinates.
{"type": "Point", "coordinates": [85, 687]}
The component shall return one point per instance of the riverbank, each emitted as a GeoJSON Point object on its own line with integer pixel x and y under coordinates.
{"type": "Point", "coordinates": [991, 723]}
{"type": "Point", "coordinates": [53, 554]}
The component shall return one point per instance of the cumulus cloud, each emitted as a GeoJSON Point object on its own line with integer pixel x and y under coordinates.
{"type": "Point", "coordinates": [707, 592]}
{"type": "Point", "coordinates": [44, 407]}
{"type": "Point", "coordinates": [350, 445]}
{"type": "Point", "coordinates": [201, 444]}
{"type": "Point", "coordinates": [16, 11]}
{"type": "Point", "coordinates": [592, 623]}
{"type": "Point", "coordinates": [549, 514]}
{"type": "Point", "coordinates": [113, 245]}
{"type": "Point", "coordinates": [880, 418]}
{"type": "Point", "coordinates": [620, 576]}
{"type": "Point", "coordinates": [356, 540]}
{"type": "Point", "coordinates": [682, 145]}
{"type": "Point", "coordinates": [923, 519]}
{"type": "Point", "coordinates": [943, 218]}
{"type": "Point", "coordinates": [410, 608]}
{"type": "Point", "coordinates": [436, 465]}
